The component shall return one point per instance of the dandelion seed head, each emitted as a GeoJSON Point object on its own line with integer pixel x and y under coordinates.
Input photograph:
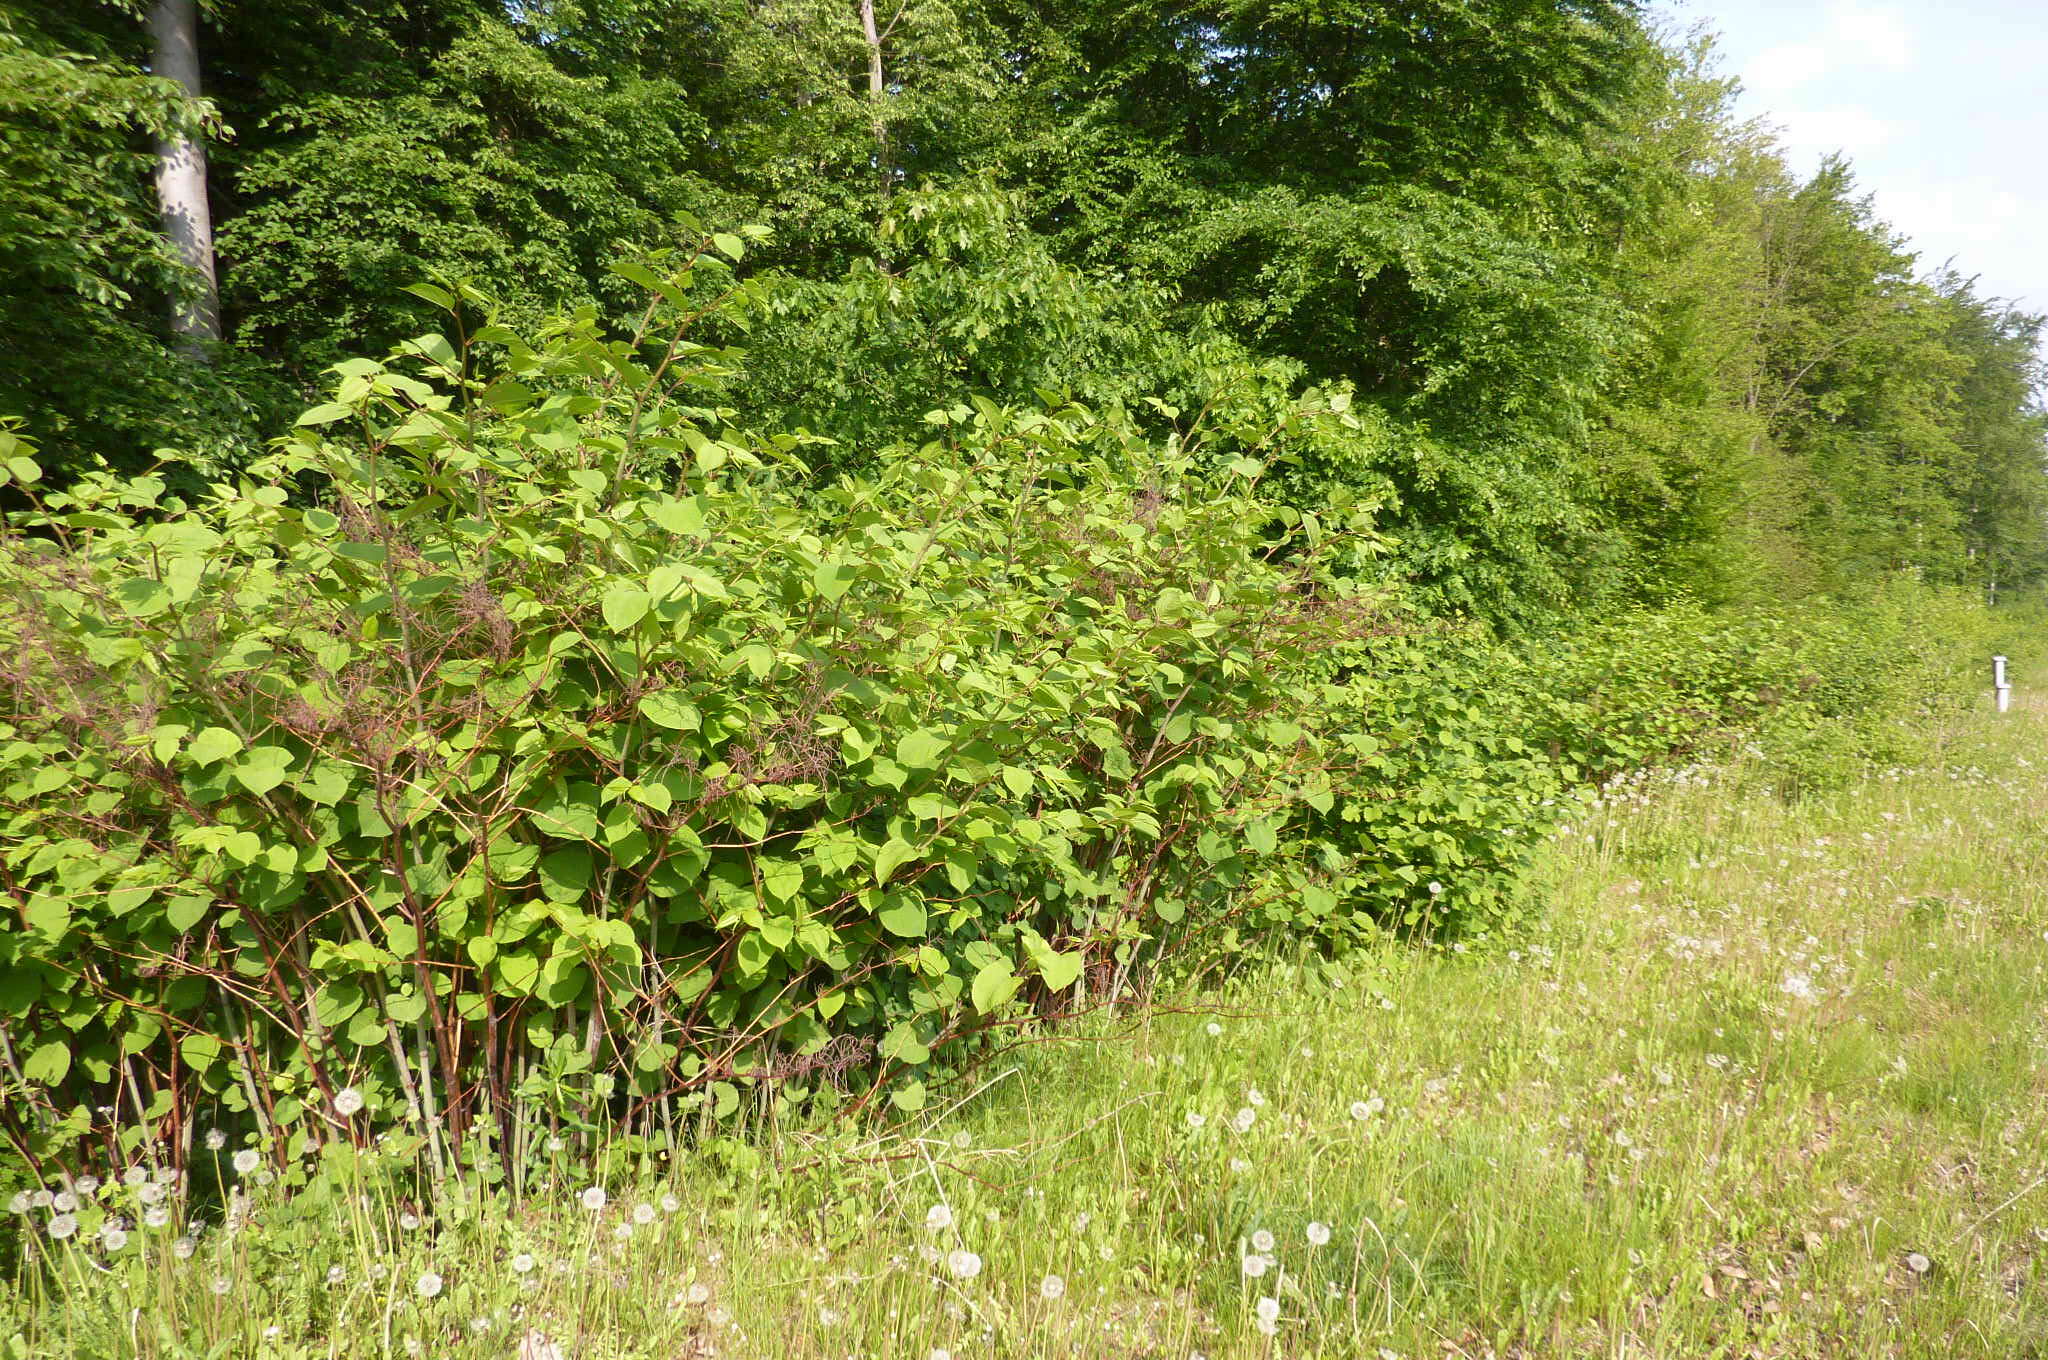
{"type": "Point", "coordinates": [150, 1192]}
{"type": "Point", "coordinates": [183, 1248]}
{"type": "Point", "coordinates": [62, 1226]}
{"type": "Point", "coordinates": [1244, 1119]}
{"type": "Point", "coordinates": [86, 1185]}
{"type": "Point", "coordinates": [1318, 1234]}
{"type": "Point", "coordinates": [593, 1198]}
{"type": "Point", "coordinates": [963, 1264]}
{"type": "Point", "coordinates": [1267, 1308]}
{"type": "Point", "coordinates": [643, 1214]}
{"type": "Point", "coordinates": [1253, 1098]}
{"type": "Point", "coordinates": [348, 1102]}
{"type": "Point", "coordinates": [246, 1161]}
{"type": "Point", "coordinates": [19, 1203]}
{"type": "Point", "coordinates": [336, 1275]}
{"type": "Point", "coordinates": [522, 1263]}
{"type": "Point", "coordinates": [221, 1285]}
{"type": "Point", "coordinates": [1051, 1287]}
{"type": "Point", "coordinates": [1213, 1029]}
{"type": "Point", "coordinates": [938, 1218]}
{"type": "Point", "coordinates": [1253, 1265]}
{"type": "Point", "coordinates": [215, 1140]}
{"type": "Point", "coordinates": [669, 1204]}
{"type": "Point", "coordinates": [697, 1294]}
{"type": "Point", "coordinates": [64, 1202]}
{"type": "Point", "coordinates": [113, 1239]}
{"type": "Point", "coordinates": [1196, 1119]}
{"type": "Point", "coordinates": [1918, 1263]}
{"type": "Point", "coordinates": [156, 1216]}
{"type": "Point", "coordinates": [408, 1220]}
{"type": "Point", "coordinates": [428, 1285]}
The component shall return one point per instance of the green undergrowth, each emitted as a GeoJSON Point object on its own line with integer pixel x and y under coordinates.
{"type": "Point", "coordinates": [1766, 1081]}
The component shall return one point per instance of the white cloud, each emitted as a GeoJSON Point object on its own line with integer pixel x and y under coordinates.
{"type": "Point", "coordinates": [1813, 133]}
{"type": "Point", "coordinates": [1785, 67]}
{"type": "Point", "coordinates": [1879, 37]}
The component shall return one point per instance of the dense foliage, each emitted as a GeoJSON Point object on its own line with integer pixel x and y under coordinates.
{"type": "Point", "coordinates": [561, 747]}
{"type": "Point", "coordinates": [1169, 478]}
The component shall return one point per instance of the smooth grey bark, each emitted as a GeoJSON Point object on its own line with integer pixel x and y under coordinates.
{"type": "Point", "coordinates": [181, 179]}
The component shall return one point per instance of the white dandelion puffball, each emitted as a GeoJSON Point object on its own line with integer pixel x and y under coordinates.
{"type": "Point", "coordinates": [536, 1346]}
{"type": "Point", "coordinates": [1253, 1266]}
{"type": "Point", "coordinates": [348, 1102]}
{"type": "Point", "coordinates": [64, 1202]}
{"type": "Point", "coordinates": [1266, 1327]}
{"type": "Point", "coordinates": [669, 1204]}
{"type": "Point", "coordinates": [1918, 1264]}
{"type": "Point", "coordinates": [166, 1175]}
{"type": "Point", "coordinates": [215, 1140]}
{"type": "Point", "coordinates": [964, 1265]}
{"type": "Point", "coordinates": [1798, 986]}
{"type": "Point", "coordinates": [1268, 1308]}
{"type": "Point", "coordinates": [623, 1233]}
{"type": "Point", "coordinates": [938, 1218]}
{"type": "Point", "coordinates": [940, 1353]}
{"type": "Point", "coordinates": [85, 1185]}
{"type": "Point", "coordinates": [62, 1226]}
{"type": "Point", "coordinates": [1436, 889]}
{"type": "Point", "coordinates": [1244, 1120]}
{"type": "Point", "coordinates": [522, 1264]}
{"type": "Point", "coordinates": [1238, 1166]}
{"type": "Point", "coordinates": [697, 1294]}
{"type": "Point", "coordinates": [1051, 1287]}
{"type": "Point", "coordinates": [246, 1161]}
{"type": "Point", "coordinates": [428, 1286]}
{"type": "Point", "coordinates": [1196, 1119]}
{"type": "Point", "coordinates": [183, 1248]}
{"type": "Point", "coordinates": [156, 1216]}
{"type": "Point", "coordinates": [1253, 1098]}
{"type": "Point", "coordinates": [1215, 1030]}
{"type": "Point", "coordinates": [1262, 1241]}
{"type": "Point", "coordinates": [41, 1199]}
{"type": "Point", "coordinates": [113, 1239]}
{"type": "Point", "coordinates": [408, 1220]}
{"type": "Point", "coordinates": [150, 1193]}
{"type": "Point", "coordinates": [335, 1275]}
{"type": "Point", "coordinates": [1362, 1110]}
{"type": "Point", "coordinates": [1318, 1234]}
{"type": "Point", "coordinates": [643, 1214]}
{"type": "Point", "coordinates": [19, 1204]}
{"type": "Point", "coordinates": [593, 1198]}
{"type": "Point", "coordinates": [221, 1285]}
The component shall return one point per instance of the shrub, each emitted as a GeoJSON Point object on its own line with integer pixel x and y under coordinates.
{"type": "Point", "coordinates": [535, 737]}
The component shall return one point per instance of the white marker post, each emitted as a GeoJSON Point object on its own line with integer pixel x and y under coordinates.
{"type": "Point", "coordinates": [2000, 689]}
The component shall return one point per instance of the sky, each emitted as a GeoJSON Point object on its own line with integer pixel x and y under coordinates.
{"type": "Point", "coordinates": [1941, 107]}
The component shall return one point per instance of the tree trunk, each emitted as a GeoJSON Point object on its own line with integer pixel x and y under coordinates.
{"type": "Point", "coordinates": [181, 180]}
{"type": "Point", "coordinates": [875, 89]}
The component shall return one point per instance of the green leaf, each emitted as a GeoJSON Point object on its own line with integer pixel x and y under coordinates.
{"type": "Point", "coordinates": [1016, 781]}
{"type": "Point", "coordinates": [730, 246]}
{"type": "Point", "coordinates": [903, 916]}
{"type": "Point", "coordinates": [565, 874]}
{"type": "Point", "coordinates": [1060, 970]}
{"type": "Point", "coordinates": [624, 606]}
{"type": "Point", "coordinates": [994, 986]}
{"type": "Point", "coordinates": [48, 1064]}
{"type": "Point", "coordinates": [214, 744]}
{"type": "Point", "coordinates": [832, 579]}
{"type": "Point", "coordinates": [263, 769]}
{"type": "Point", "coordinates": [326, 414]}
{"type": "Point", "coordinates": [183, 913]}
{"type": "Point", "coordinates": [920, 750]}
{"type": "Point", "coordinates": [667, 708]}
{"type": "Point", "coordinates": [909, 1097]}
{"type": "Point", "coordinates": [892, 857]}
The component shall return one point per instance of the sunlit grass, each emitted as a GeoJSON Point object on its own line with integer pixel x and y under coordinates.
{"type": "Point", "coordinates": [1770, 1082]}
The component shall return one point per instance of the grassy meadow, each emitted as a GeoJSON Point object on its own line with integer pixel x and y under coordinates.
{"type": "Point", "coordinates": [1768, 1083]}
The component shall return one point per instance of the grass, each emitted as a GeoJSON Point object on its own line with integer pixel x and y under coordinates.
{"type": "Point", "coordinates": [1770, 1083]}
